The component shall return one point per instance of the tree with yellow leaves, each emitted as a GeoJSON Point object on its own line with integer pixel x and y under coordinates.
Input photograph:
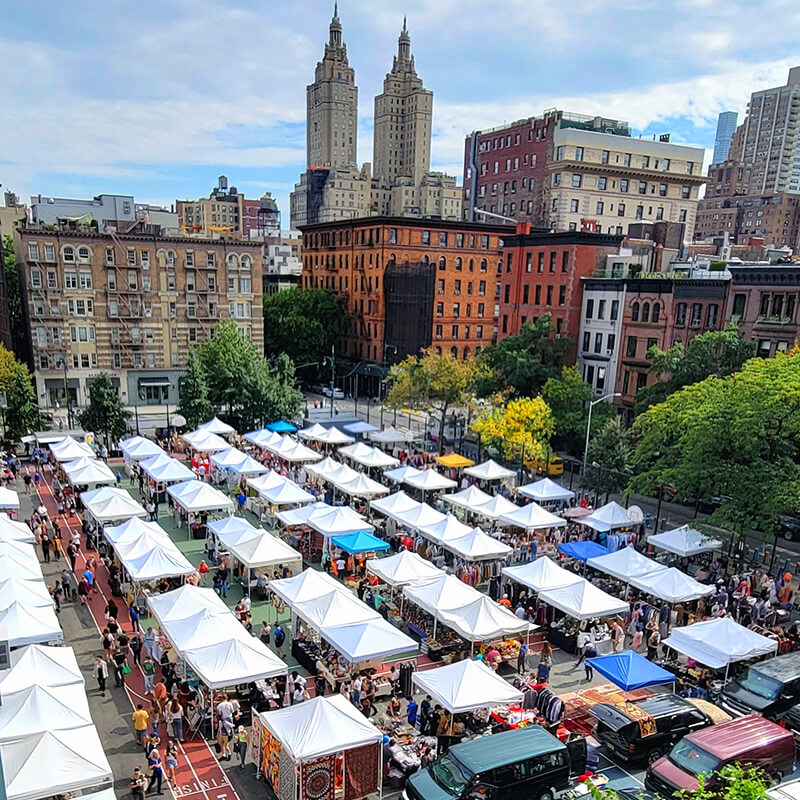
{"type": "Point", "coordinates": [519, 429]}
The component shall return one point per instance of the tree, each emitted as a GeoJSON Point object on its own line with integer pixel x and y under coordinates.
{"type": "Point", "coordinates": [241, 380]}
{"type": "Point", "coordinates": [303, 323]}
{"type": "Point", "coordinates": [610, 449]}
{"type": "Point", "coordinates": [22, 414]}
{"type": "Point", "coordinates": [105, 413]}
{"type": "Point", "coordinates": [194, 405]}
{"type": "Point", "coordinates": [16, 320]}
{"type": "Point", "coordinates": [736, 436]}
{"type": "Point", "coordinates": [520, 364]}
{"type": "Point", "coordinates": [519, 429]}
{"type": "Point", "coordinates": [717, 353]}
{"type": "Point", "coordinates": [435, 382]}
{"type": "Point", "coordinates": [569, 397]}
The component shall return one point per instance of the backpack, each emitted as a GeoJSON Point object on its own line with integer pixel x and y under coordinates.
{"type": "Point", "coordinates": [280, 638]}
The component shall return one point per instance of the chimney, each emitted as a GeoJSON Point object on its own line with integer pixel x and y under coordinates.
{"type": "Point", "coordinates": [523, 228]}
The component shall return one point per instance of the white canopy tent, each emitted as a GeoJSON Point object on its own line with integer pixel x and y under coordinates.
{"type": "Point", "coordinates": [684, 541]}
{"type": "Point", "coordinates": [308, 585]}
{"type": "Point", "coordinates": [717, 643]}
{"type": "Point", "coordinates": [495, 508]}
{"type": "Point", "coordinates": [32, 594]}
{"type": "Point", "coordinates": [111, 504]}
{"type": "Point", "coordinates": [196, 497]}
{"type": "Point", "coordinates": [545, 491]}
{"type": "Point", "coordinates": [216, 425]}
{"type": "Point", "coordinates": [360, 427]}
{"type": "Point", "coordinates": [326, 467]}
{"type": "Point", "coordinates": [262, 437]}
{"type": "Point", "coordinates": [339, 520]}
{"type": "Point", "coordinates": [286, 494]}
{"type": "Point", "coordinates": [333, 608]}
{"type": "Point", "coordinates": [626, 564]}
{"type": "Point", "coordinates": [312, 432]}
{"type": "Point", "coordinates": [541, 575]}
{"type": "Point", "coordinates": [672, 585]}
{"type": "Point", "coordinates": [38, 664]}
{"type": "Point", "coordinates": [399, 474]}
{"type": "Point", "coordinates": [451, 527]}
{"type": "Point", "coordinates": [88, 472]}
{"type": "Point", "coordinates": [333, 435]}
{"type": "Point", "coordinates": [291, 450]}
{"type": "Point", "coordinates": [484, 619]}
{"type": "Point", "coordinates": [443, 593]}
{"type": "Point", "coordinates": [266, 481]}
{"type": "Point", "coordinates": [609, 517]}
{"type": "Point", "coordinates": [367, 641]}
{"type": "Point", "coordinates": [9, 499]}
{"type": "Point", "coordinates": [466, 686]}
{"type": "Point", "coordinates": [36, 708]}
{"type": "Point", "coordinates": [477, 546]}
{"type": "Point", "coordinates": [403, 568]}
{"type": "Point", "coordinates": [228, 457]}
{"type": "Point", "coordinates": [68, 449]}
{"type": "Point", "coordinates": [15, 531]}
{"type": "Point", "coordinates": [489, 471]}
{"type": "Point", "coordinates": [22, 624]}
{"type": "Point", "coordinates": [429, 481]}
{"type": "Point", "coordinates": [470, 498]}
{"type": "Point", "coordinates": [132, 531]}
{"type": "Point", "coordinates": [390, 435]}
{"type": "Point", "coordinates": [18, 554]}
{"type": "Point", "coordinates": [184, 602]}
{"type": "Point", "coordinates": [137, 447]}
{"type": "Point", "coordinates": [583, 600]}
{"type": "Point", "coordinates": [249, 466]}
{"type": "Point", "coordinates": [532, 517]}
{"type": "Point", "coordinates": [299, 516]}
{"type": "Point", "coordinates": [152, 557]}
{"type": "Point", "coordinates": [260, 549]}
{"type": "Point", "coordinates": [342, 474]}
{"type": "Point", "coordinates": [395, 504]}
{"type": "Point", "coordinates": [319, 727]}
{"type": "Point", "coordinates": [165, 469]}
{"type": "Point", "coordinates": [368, 456]}
{"type": "Point", "coordinates": [363, 486]}
{"type": "Point", "coordinates": [205, 441]}
{"type": "Point", "coordinates": [72, 759]}
{"type": "Point", "coordinates": [234, 661]}
{"type": "Point", "coordinates": [421, 516]}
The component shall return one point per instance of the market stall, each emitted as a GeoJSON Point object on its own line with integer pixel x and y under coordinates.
{"type": "Point", "coordinates": [443, 530]}
{"type": "Point", "coordinates": [360, 542]}
{"type": "Point", "coordinates": [470, 498]}
{"type": "Point", "coordinates": [262, 437]}
{"type": "Point", "coordinates": [68, 449]}
{"type": "Point", "coordinates": [541, 575]}
{"type": "Point", "coordinates": [367, 456]}
{"type": "Point", "coordinates": [13, 531]}
{"type": "Point", "coordinates": [204, 441]}
{"type": "Point", "coordinates": [399, 474]}
{"type": "Point", "coordinates": [497, 507]}
{"type": "Point", "coordinates": [394, 504]}
{"type": "Point", "coordinates": [137, 448]}
{"type": "Point", "coordinates": [391, 435]}
{"type": "Point", "coordinates": [360, 428]}
{"type": "Point", "coordinates": [194, 501]}
{"type": "Point", "coordinates": [483, 620]}
{"type": "Point", "coordinates": [490, 471]}
{"type": "Point", "coordinates": [333, 436]}
{"type": "Point", "coordinates": [163, 470]}
{"type": "Point", "coordinates": [403, 568]}
{"type": "Point", "coordinates": [582, 550]}
{"type": "Point", "coordinates": [38, 664]}
{"type": "Point", "coordinates": [420, 516]}
{"type": "Point", "coordinates": [281, 426]}
{"type": "Point", "coordinates": [111, 504]}
{"type": "Point", "coordinates": [454, 461]}
{"type": "Point", "coordinates": [429, 481]}
{"type": "Point", "coordinates": [625, 564]}
{"type": "Point", "coordinates": [223, 459]}
{"type": "Point", "coordinates": [291, 451]}
{"type": "Point", "coordinates": [151, 557]}
{"type": "Point", "coordinates": [684, 541]}
{"type": "Point", "coordinates": [35, 708]}
{"type": "Point", "coordinates": [323, 749]}
{"type": "Point", "coordinates": [23, 624]}
{"type": "Point", "coordinates": [286, 493]}
{"type": "Point", "coordinates": [90, 472]}
{"type": "Point", "coordinates": [630, 670]}
{"type": "Point", "coordinates": [216, 425]}
{"type": "Point", "coordinates": [531, 517]}
{"type": "Point", "coordinates": [311, 432]}
{"type": "Point", "coordinates": [477, 546]}
{"type": "Point", "coordinates": [545, 491]}
{"type": "Point", "coordinates": [9, 499]}
{"type": "Point", "coordinates": [132, 530]}
{"type": "Point", "coordinates": [672, 585]}
{"type": "Point", "coordinates": [30, 594]}
{"type": "Point", "coordinates": [610, 517]}
{"type": "Point", "coordinates": [362, 486]}
{"type": "Point", "coordinates": [18, 560]}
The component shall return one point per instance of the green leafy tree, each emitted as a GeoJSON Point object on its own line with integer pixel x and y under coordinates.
{"type": "Point", "coordinates": [609, 448]}
{"type": "Point", "coordinates": [568, 397]}
{"type": "Point", "coordinates": [194, 405]}
{"type": "Point", "coordinates": [16, 320]}
{"type": "Point", "coordinates": [737, 436]}
{"type": "Point", "coordinates": [303, 323]}
{"type": "Point", "coordinates": [717, 353]}
{"type": "Point", "coordinates": [520, 364]}
{"type": "Point", "coordinates": [435, 382]}
{"type": "Point", "coordinates": [22, 414]}
{"type": "Point", "coordinates": [241, 380]}
{"type": "Point", "coordinates": [105, 413]}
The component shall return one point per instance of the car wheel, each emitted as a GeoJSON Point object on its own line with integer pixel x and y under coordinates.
{"type": "Point", "coordinates": [788, 534]}
{"type": "Point", "coordinates": [547, 795]}
{"type": "Point", "coordinates": [653, 756]}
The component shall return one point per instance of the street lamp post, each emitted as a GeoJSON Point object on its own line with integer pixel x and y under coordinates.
{"type": "Point", "coordinates": [592, 404]}
{"type": "Point", "coordinates": [383, 380]}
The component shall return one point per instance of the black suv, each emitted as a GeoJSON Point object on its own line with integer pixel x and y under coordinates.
{"type": "Point", "coordinates": [650, 728]}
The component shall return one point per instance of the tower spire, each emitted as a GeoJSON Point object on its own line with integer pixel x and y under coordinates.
{"type": "Point", "coordinates": [335, 28]}
{"type": "Point", "coordinates": [336, 10]}
{"type": "Point", "coordinates": [404, 44]}
{"type": "Point", "coordinates": [405, 28]}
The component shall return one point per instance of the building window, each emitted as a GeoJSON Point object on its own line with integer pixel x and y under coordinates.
{"type": "Point", "coordinates": [553, 257]}
{"type": "Point", "coordinates": [626, 379]}
{"type": "Point", "coordinates": [556, 179]}
{"type": "Point", "coordinates": [528, 262]}
{"type": "Point", "coordinates": [562, 294]}
{"type": "Point", "coordinates": [656, 311]}
{"type": "Point", "coordinates": [639, 212]}
{"type": "Point", "coordinates": [33, 251]}
{"type": "Point", "coordinates": [641, 380]}
{"type": "Point", "coordinates": [550, 295]}
{"type": "Point", "coordinates": [680, 316]}
{"type": "Point", "coordinates": [598, 342]}
{"type": "Point", "coordinates": [602, 183]}
{"type": "Point", "coordinates": [711, 315]}
{"type": "Point", "coordinates": [630, 347]}
{"type": "Point", "coordinates": [573, 206]}
{"type": "Point", "coordinates": [560, 153]}
{"type": "Point", "coordinates": [642, 187]}
{"type": "Point", "coordinates": [577, 181]}
{"type": "Point", "coordinates": [623, 186]}
{"type": "Point", "coordinates": [457, 310]}
{"type": "Point", "coordinates": [484, 265]}
{"type": "Point", "coordinates": [480, 310]}
{"type": "Point", "coordinates": [614, 309]}
{"type": "Point", "coordinates": [605, 156]}
{"type": "Point", "coordinates": [646, 312]}
{"type": "Point", "coordinates": [443, 239]}
{"type": "Point", "coordinates": [589, 308]}
{"type": "Point", "coordinates": [697, 314]}
{"type": "Point", "coordinates": [660, 212]}
{"type": "Point", "coordinates": [635, 312]}
{"type": "Point", "coordinates": [442, 264]}
{"type": "Point", "coordinates": [587, 341]}
{"type": "Point", "coordinates": [739, 301]}
{"type": "Point", "coordinates": [426, 237]}
{"type": "Point", "coordinates": [392, 235]}
{"type": "Point", "coordinates": [538, 294]}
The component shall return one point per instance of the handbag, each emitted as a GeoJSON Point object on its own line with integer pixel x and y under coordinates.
{"type": "Point", "coordinates": [218, 747]}
{"type": "Point", "coordinates": [126, 670]}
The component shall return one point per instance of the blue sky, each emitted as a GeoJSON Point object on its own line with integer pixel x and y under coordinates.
{"type": "Point", "coordinates": [157, 99]}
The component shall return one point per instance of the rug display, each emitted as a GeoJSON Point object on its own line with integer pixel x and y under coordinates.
{"type": "Point", "coordinates": [362, 766]}
{"type": "Point", "coordinates": [318, 779]}
{"type": "Point", "coordinates": [287, 787]}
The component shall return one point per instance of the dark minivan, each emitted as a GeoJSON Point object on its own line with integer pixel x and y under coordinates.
{"type": "Point", "coordinates": [770, 688]}
{"type": "Point", "coordinates": [524, 764]}
{"type": "Point", "coordinates": [645, 731]}
{"type": "Point", "coordinates": [751, 741]}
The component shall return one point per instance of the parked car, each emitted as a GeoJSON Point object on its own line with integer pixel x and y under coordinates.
{"type": "Point", "coordinates": [751, 741]}
{"type": "Point", "coordinates": [552, 466]}
{"type": "Point", "coordinates": [667, 718]}
{"type": "Point", "coordinates": [338, 394]}
{"type": "Point", "coordinates": [789, 527]}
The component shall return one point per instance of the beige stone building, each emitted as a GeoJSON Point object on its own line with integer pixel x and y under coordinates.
{"type": "Point", "coordinates": [131, 305]}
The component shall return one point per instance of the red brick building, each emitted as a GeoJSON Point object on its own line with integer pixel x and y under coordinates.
{"type": "Point", "coordinates": [542, 274]}
{"type": "Point", "coordinates": [408, 283]}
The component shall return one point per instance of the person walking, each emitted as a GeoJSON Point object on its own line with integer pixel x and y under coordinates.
{"type": "Point", "coordinates": [149, 670]}
{"type": "Point", "coordinates": [280, 638]}
{"type": "Point", "coordinates": [264, 633]}
{"type": "Point", "coordinates": [156, 767]}
{"type": "Point", "coordinates": [653, 641]}
{"type": "Point", "coordinates": [56, 593]}
{"type": "Point", "coordinates": [522, 658]}
{"type": "Point", "coordinates": [240, 745]}
{"type": "Point", "coordinates": [171, 759]}
{"type": "Point", "coordinates": [44, 541]}
{"type": "Point", "coordinates": [134, 613]}
{"type": "Point", "coordinates": [120, 663]}
{"type": "Point", "coordinates": [101, 673]}
{"type": "Point", "coordinates": [175, 718]}
{"type": "Point", "coordinates": [137, 784]}
{"type": "Point", "coordinates": [589, 652]}
{"type": "Point", "coordinates": [140, 719]}
{"type": "Point", "coordinates": [136, 647]}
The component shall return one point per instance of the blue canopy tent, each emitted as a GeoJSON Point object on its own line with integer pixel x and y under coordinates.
{"type": "Point", "coordinates": [582, 551]}
{"type": "Point", "coordinates": [360, 542]}
{"type": "Point", "coordinates": [629, 670]}
{"type": "Point", "coordinates": [281, 426]}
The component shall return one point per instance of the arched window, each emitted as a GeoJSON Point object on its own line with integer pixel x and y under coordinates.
{"type": "Point", "coordinates": [635, 312]}
{"type": "Point", "coordinates": [426, 260]}
{"type": "Point", "coordinates": [392, 259]}
{"type": "Point", "coordinates": [477, 351]}
{"type": "Point", "coordinates": [459, 264]}
{"type": "Point", "coordinates": [656, 311]}
{"type": "Point", "coordinates": [472, 265]}
{"type": "Point", "coordinates": [646, 312]}
{"type": "Point", "coordinates": [466, 353]}
{"type": "Point", "coordinates": [484, 265]}
{"type": "Point", "coordinates": [84, 253]}
{"type": "Point", "coordinates": [442, 264]}
{"type": "Point", "coordinates": [233, 262]}
{"type": "Point", "coordinates": [438, 350]}
{"type": "Point", "coordinates": [247, 262]}
{"type": "Point", "coordinates": [68, 254]}
{"type": "Point", "coordinates": [454, 352]}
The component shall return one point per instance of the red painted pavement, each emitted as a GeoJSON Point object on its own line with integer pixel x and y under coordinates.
{"type": "Point", "coordinates": [198, 773]}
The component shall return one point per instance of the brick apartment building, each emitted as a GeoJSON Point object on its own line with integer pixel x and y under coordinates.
{"type": "Point", "coordinates": [408, 283]}
{"type": "Point", "coordinates": [542, 274]}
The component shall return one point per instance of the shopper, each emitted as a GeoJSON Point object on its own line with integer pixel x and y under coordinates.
{"type": "Point", "coordinates": [175, 718]}
{"type": "Point", "coordinates": [137, 783]}
{"type": "Point", "coordinates": [140, 719]}
{"type": "Point", "coordinates": [171, 759]}
{"type": "Point", "coordinates": [101, 673]}
{"type": "Point", "coordinates": [280, 638]}
{"type": "Point", "coordinates": [240, 745]}
{"type": "Point", "coordinates": [589, 652]}
{"type": "Point", "coordinates": [156, 767]}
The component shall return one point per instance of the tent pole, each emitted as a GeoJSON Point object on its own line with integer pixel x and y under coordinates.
{"type": "Point", "coordinates": [212, 713]}
{"type": "Point", "coordinates": [435, 620]}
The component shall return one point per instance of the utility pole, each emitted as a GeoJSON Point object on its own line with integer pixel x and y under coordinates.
{"type": "Point", "coordinates": [333, 373]}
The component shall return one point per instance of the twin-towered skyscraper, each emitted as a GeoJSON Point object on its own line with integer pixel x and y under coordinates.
{"type": "Point", "coordinates": [334, 186]}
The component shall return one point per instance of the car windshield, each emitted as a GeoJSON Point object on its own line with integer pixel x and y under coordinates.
{"type": "Point", "coordinates": [760, 684]}
{"type": "Point", "coordinates": [691, 758]}
{"type": "Point", "coordinates": [450, 775]}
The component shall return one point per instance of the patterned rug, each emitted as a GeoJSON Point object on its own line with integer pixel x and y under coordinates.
{"type": "Point", "coordinates": [287, 783]}
{"type": "Point", "coordinates": [317, 780]}
{"type": "Point", "coordinates": [361, 770]}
